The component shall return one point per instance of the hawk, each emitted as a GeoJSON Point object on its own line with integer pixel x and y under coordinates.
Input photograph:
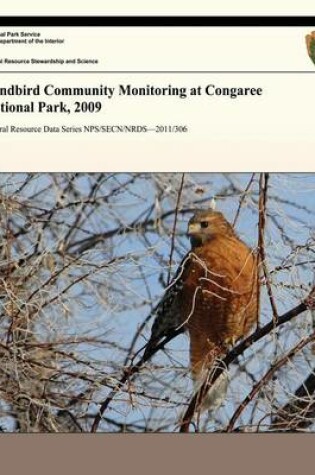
{"type": "Point", "coordinates": [213, 296]}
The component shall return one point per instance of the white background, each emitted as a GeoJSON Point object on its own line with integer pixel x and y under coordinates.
{"type": "Point", "coordinates": [273, 132]}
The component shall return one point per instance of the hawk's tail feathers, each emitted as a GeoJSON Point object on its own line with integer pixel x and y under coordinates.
{"type": "Point", "coordinates": [216, 394]}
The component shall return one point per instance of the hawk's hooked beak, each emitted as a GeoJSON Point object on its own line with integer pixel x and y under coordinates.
{"type": "Point", "coordinates": [193, 228]}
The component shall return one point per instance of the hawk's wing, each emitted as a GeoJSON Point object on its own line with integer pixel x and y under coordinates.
{"type": "Point", "coordinates": [168, 312]}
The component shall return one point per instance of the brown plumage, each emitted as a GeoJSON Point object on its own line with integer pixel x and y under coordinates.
{"type": "Point", "coordinates": [213, 295]}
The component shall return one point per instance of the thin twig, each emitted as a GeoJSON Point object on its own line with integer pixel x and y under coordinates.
{"type": "Point", "coordinates": [263, 188]}
{"type": "Point", "coordinates": [242, 198]}
{"type": "Point", "coordinates": [179, 194]}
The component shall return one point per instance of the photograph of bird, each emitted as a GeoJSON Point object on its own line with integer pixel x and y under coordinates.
{"type": "Point", "coordinates": [213, 295]}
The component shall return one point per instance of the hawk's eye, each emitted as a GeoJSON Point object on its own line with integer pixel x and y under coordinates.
{"type": "Point", "coordinates": [204, 224]}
